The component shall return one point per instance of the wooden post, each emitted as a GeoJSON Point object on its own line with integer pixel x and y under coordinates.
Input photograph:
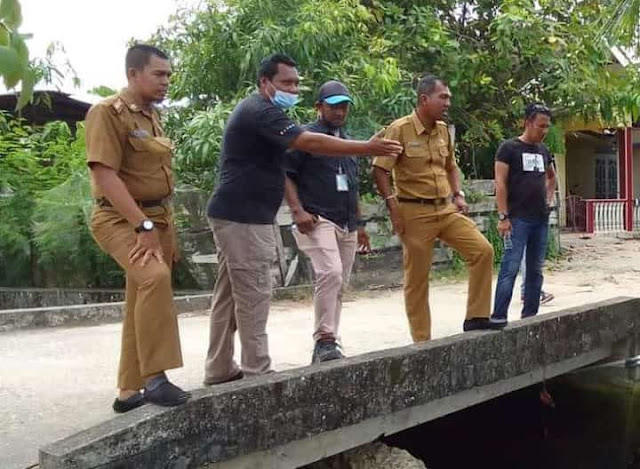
{"type": "Point", "coordinates": [282, 258]}
{"type": "Point", "coordinates": [629, 182]}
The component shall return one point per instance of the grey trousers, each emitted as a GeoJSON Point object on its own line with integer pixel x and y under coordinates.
{"type": "Point", "coordinates": [241, 299]}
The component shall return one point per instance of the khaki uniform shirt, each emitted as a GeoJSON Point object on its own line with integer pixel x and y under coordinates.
{"type": "Point", "coordinates": [122, 136]}
{"type": "Point", "coordinates": [421, 170]}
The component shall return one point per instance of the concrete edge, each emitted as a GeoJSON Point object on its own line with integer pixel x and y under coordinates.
{"type": "Point", "coordinates": [102, 313]}
{"type": "Point", "coordinates": [590, 345]}
{"type": "Point", "coordinates": [323, 445]}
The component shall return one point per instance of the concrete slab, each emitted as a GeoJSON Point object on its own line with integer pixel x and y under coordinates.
{"type": "Point", "coordinates": [237, 419]}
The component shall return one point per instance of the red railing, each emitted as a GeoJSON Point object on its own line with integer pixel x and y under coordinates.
{"type": "Point", "coordinates": [576, 213]}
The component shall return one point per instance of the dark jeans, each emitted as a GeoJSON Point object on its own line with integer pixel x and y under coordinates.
{"type": "Point", "coordinates": [532, 235]}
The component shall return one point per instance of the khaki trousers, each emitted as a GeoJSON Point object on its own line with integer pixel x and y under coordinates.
{"type": "Point", "coordinates": [241, 299]}
{"type": "Point", "coordinates": [423, 224]}
{"type": "Point", "coordinates": [332, 251]}
{"type": "Point", "coordinates": [150, 337]}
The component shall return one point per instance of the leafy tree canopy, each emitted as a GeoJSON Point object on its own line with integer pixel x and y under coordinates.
{"type": "Point", "coordinates": [496, 55]}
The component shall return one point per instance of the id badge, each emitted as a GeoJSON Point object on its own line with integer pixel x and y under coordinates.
{"type": "Point", "coordinates": [342, 183]}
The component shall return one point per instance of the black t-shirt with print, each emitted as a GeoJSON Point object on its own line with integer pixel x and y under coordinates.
{"type": "Point", "coordinates": [251, 184]}
{"type": "Point", "coordinates": [526, 187]}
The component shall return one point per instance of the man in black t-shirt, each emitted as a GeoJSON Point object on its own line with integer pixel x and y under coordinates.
{"type": "Point", "coordinates": [242, 210]}
{"type": "Point", "coordinates": [525, 185]}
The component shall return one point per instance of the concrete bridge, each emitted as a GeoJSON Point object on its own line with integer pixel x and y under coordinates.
{"type": "Point", "coordinates": [292, 418]}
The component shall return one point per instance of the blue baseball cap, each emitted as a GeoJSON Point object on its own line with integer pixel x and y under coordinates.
{"type": "Point", "coordinates": [334, 92]}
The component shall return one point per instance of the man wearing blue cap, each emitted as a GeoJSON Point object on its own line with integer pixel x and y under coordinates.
{"type": "Point", "coordinates": [323, 196]}
{"type": "Point", "coordinates": [243, 208]}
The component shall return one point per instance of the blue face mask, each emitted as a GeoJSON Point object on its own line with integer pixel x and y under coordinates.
{"type": "Point", "coordinates": [284, 100]}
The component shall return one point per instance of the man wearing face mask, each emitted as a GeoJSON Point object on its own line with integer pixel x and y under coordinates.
{"type": "Point", "coordinates": [323, 196]}
{"type": "Point", "coordinates": [427, 203]}
{"type": "Point", "coordinates": [242, 210]}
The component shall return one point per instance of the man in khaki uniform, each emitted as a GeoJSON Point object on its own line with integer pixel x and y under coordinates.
{"type": "Point", "coordinates": [131, 181]}
{"type": "Point", "coordinates": [422, 209]}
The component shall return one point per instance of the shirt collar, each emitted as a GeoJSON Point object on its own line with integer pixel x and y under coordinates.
{"type": "Point", "coordinates": [127, 96]}
{"type": "Point", "coordinates": [417, 123]}
{"type": "Point", "coordinates": [419, 126]}
{"type": "Point", "coordinates": [321, 126]}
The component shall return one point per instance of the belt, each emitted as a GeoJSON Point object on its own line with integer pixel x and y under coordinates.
{"type": "Point", "coordinates": [104, 202]}
{"type": "Point", "coordinates": [423, 201]}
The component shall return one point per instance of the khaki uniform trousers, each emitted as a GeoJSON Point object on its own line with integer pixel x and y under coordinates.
{"type": "Point", "coordinates": [422, 225]}
{"type": "Point", "coordinates": [332, 251]}
{"type": "Point", "coordinates": [241, 299]}
{"type": "Point", "coordinates": [150, 337]}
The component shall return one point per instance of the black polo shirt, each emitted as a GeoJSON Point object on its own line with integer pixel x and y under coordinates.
{"type": "Point", "coordinates": [315, 176]}
{"type": "Point", "coordinates": [251, 184]}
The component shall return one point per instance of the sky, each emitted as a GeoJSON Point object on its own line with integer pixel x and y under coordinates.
{"type": "Point", "coordinates": [94, 34]}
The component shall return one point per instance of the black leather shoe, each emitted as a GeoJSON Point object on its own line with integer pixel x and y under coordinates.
{"type": "Point", "coordinates": [166, 394]}
{"type": "Point", "coordinates": [479, 324]}
{"type": "Point", "coordinates": [236, 377]}
{"type": "Point", "coordinates": [122, 406]}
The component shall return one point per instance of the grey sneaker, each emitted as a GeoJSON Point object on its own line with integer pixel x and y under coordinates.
{"type": "Point", "coordinates": [498, 323]}
{"type": "Point", "coordinates": [546, 297]}
{"type": "Point", "coordinates": [325, 350]}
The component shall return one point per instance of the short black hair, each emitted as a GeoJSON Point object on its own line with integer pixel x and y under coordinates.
{"type": "Point", "coordinates": [428, 83]}
{"type": "Point", "coordinates": [269, 66]}
{"type": "Point", "coordinates": [533, 109]}
{"type": "Point", "coordinates": [138, 56]}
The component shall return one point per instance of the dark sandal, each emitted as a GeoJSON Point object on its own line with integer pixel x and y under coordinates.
{"type": "Point", "coordinates": [121, 406]}
{"type": "Point", "coordinates": [167, 394]}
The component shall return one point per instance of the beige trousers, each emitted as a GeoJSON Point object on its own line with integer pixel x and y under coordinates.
{"type": "Point", "coordinates": [241, 299]}
{"type": "Point", "coordinates": [332, 251]}
{"type": "Point", "coordinates": [423, 224]}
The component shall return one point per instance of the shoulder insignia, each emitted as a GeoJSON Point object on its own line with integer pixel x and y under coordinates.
{"type": "Point", "coordinates": [117, 105]}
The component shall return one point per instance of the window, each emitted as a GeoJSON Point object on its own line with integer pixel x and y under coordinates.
{"type": "Point", "coordinates": [607, 176]}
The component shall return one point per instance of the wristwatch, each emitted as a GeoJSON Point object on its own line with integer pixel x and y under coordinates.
{"type": "Point", "coordinates": [145, 226]}
{"type": "Point", "coordinates": [459, 193]}
{"type": "Point", "coordinates": [503, 216]}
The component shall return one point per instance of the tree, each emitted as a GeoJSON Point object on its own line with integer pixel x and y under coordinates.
{"type": "Point", "coordinates": [45, 206]}
{"type": "Point", "coordinates": [496, 56]}
{"type": "Point", "coordinates": [621, 24]}
{"type": "Point", "coordinates": [14, 55]}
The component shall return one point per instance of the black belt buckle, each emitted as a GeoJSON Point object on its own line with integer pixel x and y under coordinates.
{"type": "Point", "coordinates": [422, 201]}
{"type": "Point", "coordinates": [104, 202]}
{"type": "Point", "coordinates": [150, 203]}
